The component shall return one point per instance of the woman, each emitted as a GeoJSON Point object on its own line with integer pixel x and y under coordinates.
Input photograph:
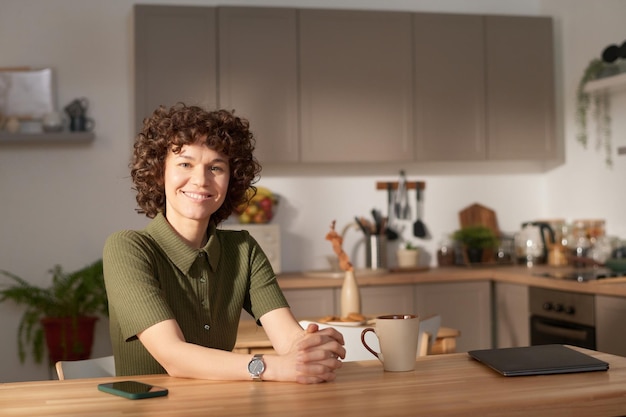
{"type": "Point", "coordinates": [176, 289]}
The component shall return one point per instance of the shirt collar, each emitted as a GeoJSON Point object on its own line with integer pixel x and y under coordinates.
{"type": "Point", "coordinates": [181, 254]}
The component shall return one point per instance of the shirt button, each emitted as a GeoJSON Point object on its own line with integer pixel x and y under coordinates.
{"type": "Point", "coordinates": [207, 327]}
{"type": "Point", "coordinates": [205, 303]}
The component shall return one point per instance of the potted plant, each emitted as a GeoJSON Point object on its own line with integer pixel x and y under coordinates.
{"type": "Point", "coordinates": [63, 314]}
{"type": "Point", "coordinates": [600, 102]}
{"type": "Point", "coordinates": [475, 239]}
{"type": "Point", "coordinates": [408, 255]}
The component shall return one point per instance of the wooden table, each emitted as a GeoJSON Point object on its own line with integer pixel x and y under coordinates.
{"type": "Point", "coordinates": [252, 339]}
{"type": "Point", "coordinates": [441, 385]}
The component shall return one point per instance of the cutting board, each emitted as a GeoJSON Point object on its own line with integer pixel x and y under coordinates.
{"type": "Point", "coordinates": [479, 215]}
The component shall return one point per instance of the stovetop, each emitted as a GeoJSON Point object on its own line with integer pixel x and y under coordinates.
{"type": "Point", "coordinates": [582, 275]}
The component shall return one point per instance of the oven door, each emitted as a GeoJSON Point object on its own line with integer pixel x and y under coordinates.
{"type": "Point", "coordinates": [544, 331]}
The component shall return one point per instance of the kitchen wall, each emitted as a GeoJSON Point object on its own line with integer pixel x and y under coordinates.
{"type": "Point", "coordinates": [58, 203]}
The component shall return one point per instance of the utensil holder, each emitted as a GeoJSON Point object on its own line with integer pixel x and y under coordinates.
{"type": "Point", "coordinates": [376, 252]}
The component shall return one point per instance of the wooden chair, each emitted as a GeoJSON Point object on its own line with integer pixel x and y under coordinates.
{"type": "Point", "coordinates": [88, 368]}
{"type": "Point", "coordinates": [429, 327]}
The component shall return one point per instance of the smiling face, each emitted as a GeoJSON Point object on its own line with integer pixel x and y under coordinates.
{"type": "Point", "coordinates": [196, 183]}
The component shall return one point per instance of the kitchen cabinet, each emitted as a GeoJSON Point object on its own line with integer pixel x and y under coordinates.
{"type": "Point", "coordinates": [484, 88]}
{"type": "Point", "coordinates": [312, 303]}
{"type": "Point", "coordinates": [175, 57]}
{"type": "Point", "coordinates": [511, 315]}
{"type": "Point", "coordinates": [449, 55]}
{"type": "Point", "coordinates": [610, 313]}
{"type": "Point", "coordinates": [520, 88]}
{"type": "Point", "coordinates": [258, 76]}
{"type": "Point", "coordinates": [344, 86]}
{"type": "Point", "coordinates": [464, 306]}
{"type": "Point", "coordinates": [355, 86]}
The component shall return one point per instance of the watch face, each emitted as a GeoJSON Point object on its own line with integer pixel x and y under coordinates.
{"type": "Point", "coordinates": [256, 366]}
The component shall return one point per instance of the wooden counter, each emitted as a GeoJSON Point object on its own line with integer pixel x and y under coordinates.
{"type": "Point", "coordinates": [441, 385]}
{"type": "Point", "coordinates": [511, 274]}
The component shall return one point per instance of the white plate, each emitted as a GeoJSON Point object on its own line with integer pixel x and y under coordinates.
{"type": "Point", "coordinates": [346, 323]}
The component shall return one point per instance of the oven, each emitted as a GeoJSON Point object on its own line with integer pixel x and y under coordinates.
{"type": "Point", "coordinates": [562, 317]}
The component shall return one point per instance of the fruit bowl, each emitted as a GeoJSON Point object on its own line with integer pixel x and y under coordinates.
{"type": "Point", "coordinates": [260, 209]}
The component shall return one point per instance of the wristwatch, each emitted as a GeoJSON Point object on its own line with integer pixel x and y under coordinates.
{"type": "Point", "coordinates": [256, 367]}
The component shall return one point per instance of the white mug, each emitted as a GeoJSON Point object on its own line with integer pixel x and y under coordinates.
{"type": "Point", "coordinates": [397, 336]}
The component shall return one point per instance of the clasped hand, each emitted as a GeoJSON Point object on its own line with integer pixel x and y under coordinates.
{"type": "Point", "coordinates": [319, 355]}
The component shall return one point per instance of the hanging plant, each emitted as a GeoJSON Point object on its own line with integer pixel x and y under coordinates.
{"type": "Point", "coordinates": [600, 102]}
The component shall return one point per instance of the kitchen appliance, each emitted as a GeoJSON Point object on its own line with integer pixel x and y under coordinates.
{"type": "Point", "coordinates": [533, 241]}
{"type": "Point", "coordinates": [562, 317]}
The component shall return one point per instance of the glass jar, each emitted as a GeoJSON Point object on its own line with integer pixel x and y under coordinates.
{"type": "Point", "coordinates": [446, 252]}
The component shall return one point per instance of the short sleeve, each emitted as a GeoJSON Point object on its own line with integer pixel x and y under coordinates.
{"type": "Point", "coordinates": [135, 296]}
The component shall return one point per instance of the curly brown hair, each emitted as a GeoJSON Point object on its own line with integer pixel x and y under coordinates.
{"type": "Point", "coordinates": [170, 129]}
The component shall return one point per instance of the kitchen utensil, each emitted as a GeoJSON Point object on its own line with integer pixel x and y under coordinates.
{"type": "Point", "coordinates": [419, 228]}
{"type": "Point", "coordinates": [376, 252]}
{"type": "Point", "coordinates": [389, 231]}
{"type": "Point", "coordinates": [360, 221]}
{"type": "Point", "coordinates": [378, 221]}
{"type": "Point", "coordinates": [402, 209]}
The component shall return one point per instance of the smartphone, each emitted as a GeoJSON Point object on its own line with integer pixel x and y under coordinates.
{"type": "Point", "coordinates": [133, 390]}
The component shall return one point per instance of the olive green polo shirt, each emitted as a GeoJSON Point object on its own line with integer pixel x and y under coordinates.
{"type": "Point", "coordinates": [152, 275]}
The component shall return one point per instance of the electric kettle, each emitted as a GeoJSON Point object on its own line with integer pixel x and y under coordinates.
{"type": "Point", "coordinates": [532, 242]}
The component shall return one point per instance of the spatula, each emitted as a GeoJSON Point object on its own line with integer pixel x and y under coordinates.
{"type": "Point", "coordinates": [419, 228]}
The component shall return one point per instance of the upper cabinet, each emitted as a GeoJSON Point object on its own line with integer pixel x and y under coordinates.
{"type": "Point", "coordinates": [484, 88]}
{"type": "Point", "coordinates": [175, 58]}
{"type": "Point", "coordinates": [355, 86]}
{"type": "Point", "coordinates": [258, 76]}
{"type": "Point", "coordinates": [520, 88]}
{"type": "Point", "coordinates": [449, 94]}
{"type": "Point", "coordinates": [340, 86]}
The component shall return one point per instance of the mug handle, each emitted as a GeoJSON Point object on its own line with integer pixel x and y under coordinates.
{"type": "Point", "coordinates": [372, 351]}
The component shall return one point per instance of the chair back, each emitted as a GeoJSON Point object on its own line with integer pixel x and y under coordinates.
{"type": "Point", "coordinates": [88, 368]}
{"type": "Point", "coordinates": [429, 327]}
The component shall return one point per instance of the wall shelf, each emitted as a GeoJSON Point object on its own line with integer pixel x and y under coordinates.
{"type": "Point", "coordinates": [614, 83]}
{"type": "Point", "coordinates": [46, 138]}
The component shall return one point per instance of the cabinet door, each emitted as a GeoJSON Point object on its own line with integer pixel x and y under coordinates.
{"type": "Point", "coordinates": [385, 299]}
{"type": "Point", "coordinates": [512, 315]}
{"type": "Point", "coordinates": [356, 86]}
{"type": "Point", "coordinates": [610, 313]}
{"type": "Point", "coordinates": [520, 88]}
{"type": "Point", "coordinates": [175, 58]}
{"type": "Point", "coordinates": [449, 82]}
{"type": "Point", "coordinates": [462, 306]}
{"type": "Point", "coordinates": [311, 304]}
{"type": "Point", "coordinates": [258, 76]}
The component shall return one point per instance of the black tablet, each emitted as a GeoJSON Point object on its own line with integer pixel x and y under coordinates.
{"type": "Point", "coordinates": [538, 360]}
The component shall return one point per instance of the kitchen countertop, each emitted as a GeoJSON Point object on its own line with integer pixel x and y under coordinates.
{"type": "Point", "coordinates": [507, 274]}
